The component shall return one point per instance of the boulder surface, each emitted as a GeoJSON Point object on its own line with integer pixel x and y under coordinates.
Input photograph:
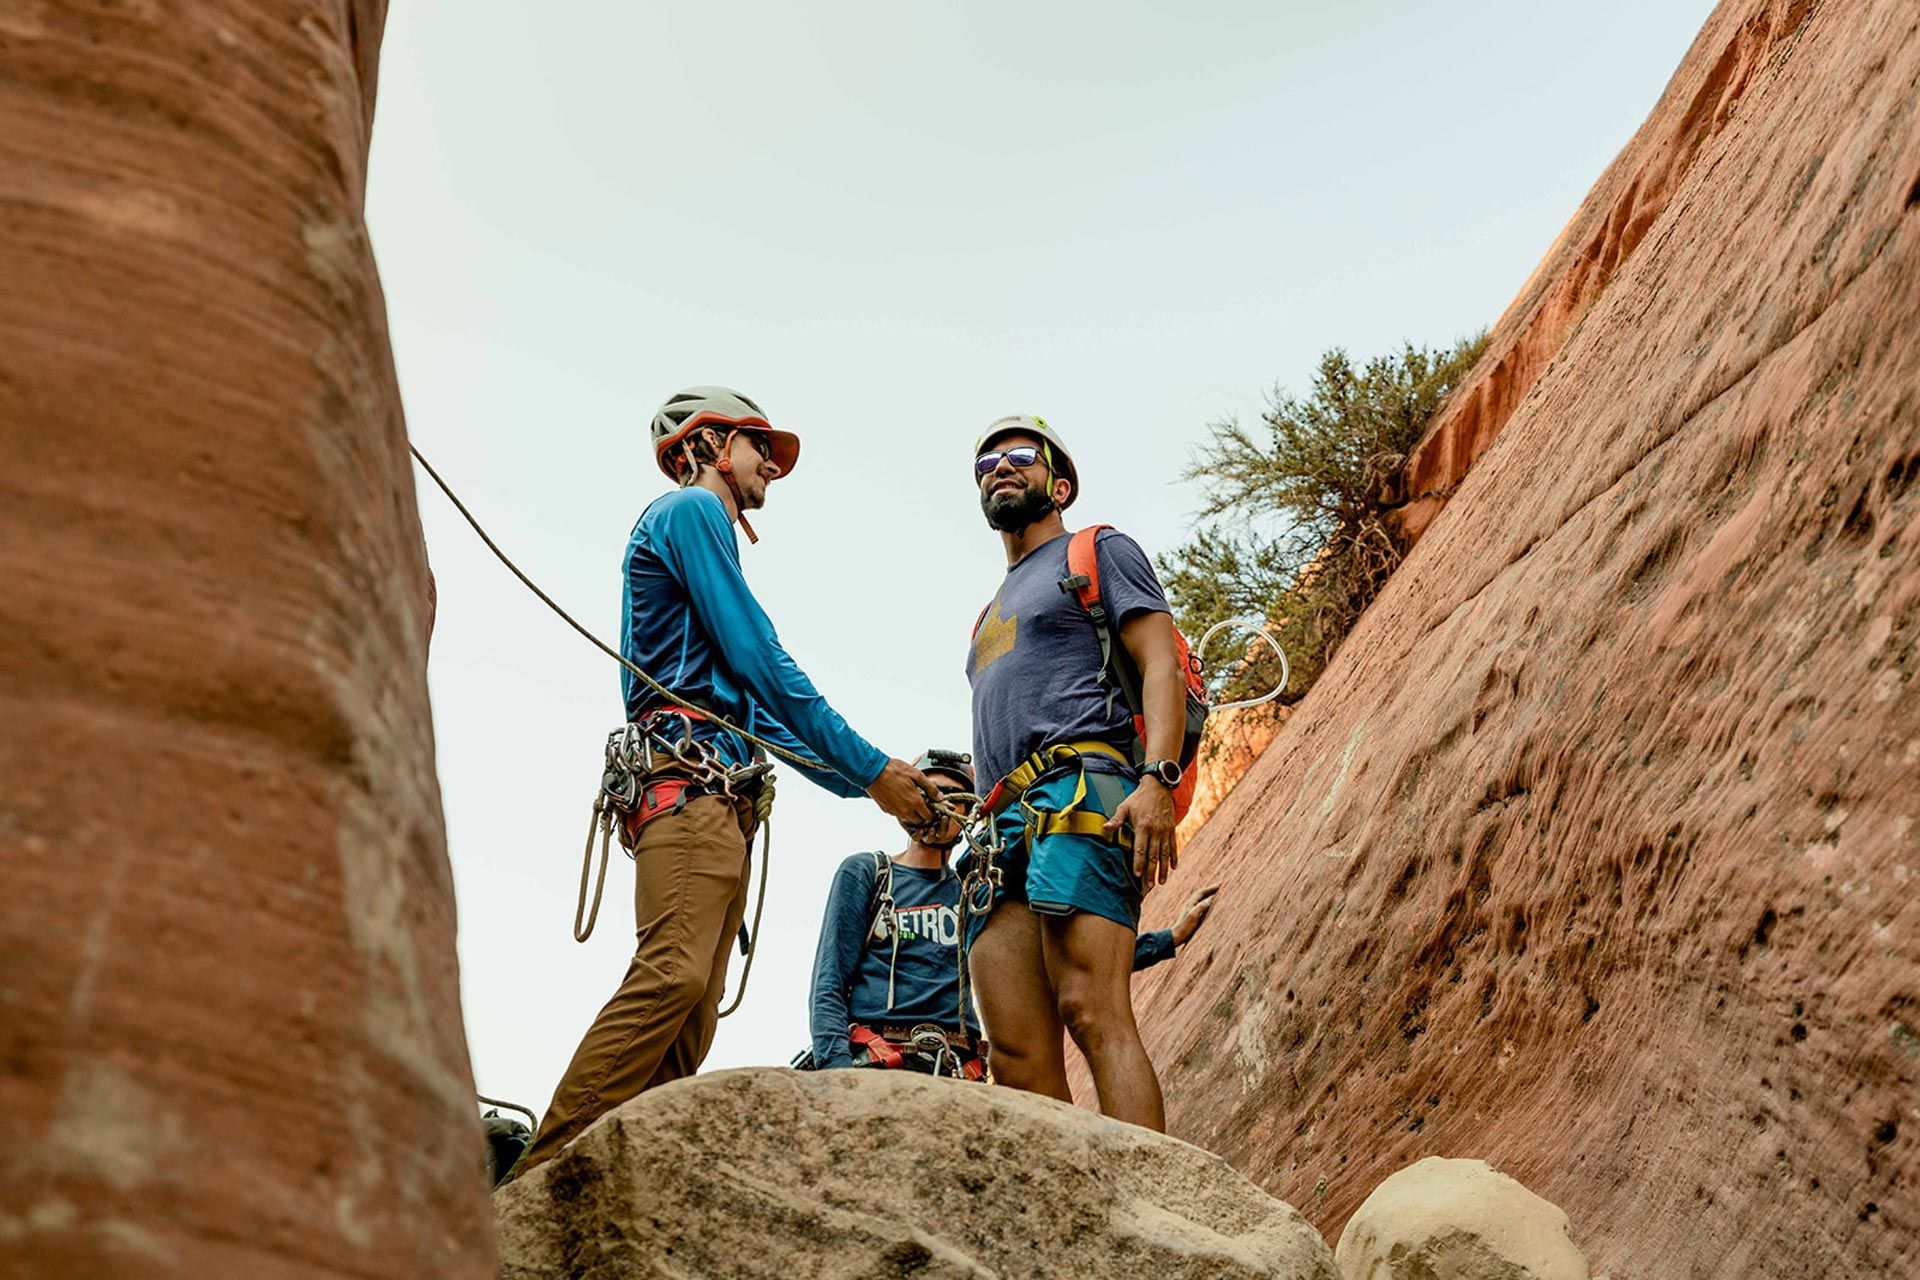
{"type": "Point", "coordinates": [1594, 851]}
{"type": "Point", "coordinates": [770, 1173]}
{"type": "Point", "coordinates": [1457, 1219]}
{"type": "Point", "coordinates": [230, 1037]}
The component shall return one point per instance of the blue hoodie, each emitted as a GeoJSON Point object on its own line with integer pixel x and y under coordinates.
{"type": "Point", "coordinates": [690, 620]}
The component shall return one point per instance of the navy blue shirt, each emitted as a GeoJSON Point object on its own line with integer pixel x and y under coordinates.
{"type": "Point", "coordinates": [850, 981]}
{"type": "Point", "coordinates": [1035, 660]}
{"type": "Point", "coordinates": [689, 619]}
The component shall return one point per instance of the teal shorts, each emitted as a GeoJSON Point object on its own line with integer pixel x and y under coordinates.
{"type": "Point", "coordinates": [1060, 874]}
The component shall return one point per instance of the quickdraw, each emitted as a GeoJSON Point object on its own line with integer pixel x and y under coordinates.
{"type": "Point", "coordinates": [980, 886]}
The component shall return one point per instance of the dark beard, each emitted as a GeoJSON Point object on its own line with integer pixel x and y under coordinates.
{"type": "Point", "coordinates": [1012, 512]}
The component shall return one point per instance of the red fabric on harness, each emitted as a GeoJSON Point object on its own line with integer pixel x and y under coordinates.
{"type": "Point", "coordinates": [659, 796]}
{"type": "Point", "coordinates": [893, 1056]}
{"type": "Point", "coordinates": [878, 1047]}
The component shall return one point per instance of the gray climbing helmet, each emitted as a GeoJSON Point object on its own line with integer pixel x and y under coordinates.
{"type": "Point", "coordinates": [724, 409]}
{"type": "Point", "coordinates": [1060, 462]}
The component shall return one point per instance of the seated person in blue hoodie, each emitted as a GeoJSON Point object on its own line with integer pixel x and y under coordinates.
{"type": "Point", "coordinates": [886, 976]}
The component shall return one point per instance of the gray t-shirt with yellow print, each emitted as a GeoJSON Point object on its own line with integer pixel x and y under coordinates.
{"type": "Point", "coordinates": [1035, 660]}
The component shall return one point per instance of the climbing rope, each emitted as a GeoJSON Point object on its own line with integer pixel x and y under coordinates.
{"type": "Point", "coordinates": [1260, 631]}
{"type": "Point", "coordinates": [753, 936]}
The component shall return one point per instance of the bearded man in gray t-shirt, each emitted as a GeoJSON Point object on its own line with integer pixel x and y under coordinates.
{"type": "Point", "coordinates": [1085, 831]}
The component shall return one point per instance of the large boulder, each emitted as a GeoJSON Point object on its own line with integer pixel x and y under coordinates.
{"type": "Point", "coordinates": [1593, 851]}
{"type": "Point", "coordinates": [1443, 1219]}
{"type": "Point", "coordinates": [867, 1175]}
{"type": "Point", "coordinates": [230, 1038]}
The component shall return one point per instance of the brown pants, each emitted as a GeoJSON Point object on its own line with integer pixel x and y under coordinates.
{"type": "Point", "coordinates": [690, 894]}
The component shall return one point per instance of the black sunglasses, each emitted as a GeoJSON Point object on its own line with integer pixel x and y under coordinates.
{"type": "Point", "coordinates": [761, 445]}
{"type": "Point", "coordinates": [1021, 455]}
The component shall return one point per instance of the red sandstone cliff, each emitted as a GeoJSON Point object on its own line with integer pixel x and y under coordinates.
{"type": "Point", "coordinates": [230, 1039]}
{"type": "Point", "coordinates": [1593, 852]}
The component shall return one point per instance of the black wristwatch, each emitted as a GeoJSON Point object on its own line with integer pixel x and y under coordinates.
{"type": "Point", "coordinates": [1167, 771]}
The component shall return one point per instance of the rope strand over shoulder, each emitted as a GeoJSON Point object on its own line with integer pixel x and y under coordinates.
{"type": "Point", "coordinates": [773, 748]}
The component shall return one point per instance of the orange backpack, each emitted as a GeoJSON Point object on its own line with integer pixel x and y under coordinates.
{"type": "Point", "coordinates": [1117, 670]}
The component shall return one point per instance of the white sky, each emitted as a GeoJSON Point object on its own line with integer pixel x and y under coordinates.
{"type": "Point", "coordinates": [890, 223]}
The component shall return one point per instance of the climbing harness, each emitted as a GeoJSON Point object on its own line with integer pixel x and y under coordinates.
{"type": "Point", "coordinates": [1048, 762]}
{"type": "Point", "coordinates": [953, 1055]}
{"type": "Point", "coordinates": [648, 773]}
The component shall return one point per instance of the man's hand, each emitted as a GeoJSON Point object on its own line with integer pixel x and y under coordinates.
{"type": "Point", "coordinates": [902, 791]}
{"type": "Point", "coordinates": [1149, 812]}
{"type": "Point", "coordinates": [1195, 913]}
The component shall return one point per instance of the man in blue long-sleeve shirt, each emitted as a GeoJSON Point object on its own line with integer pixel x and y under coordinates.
{"type": "Point", "coordinates": [886, 986]}
{"type": "Point", "coordinates": [690, 620]}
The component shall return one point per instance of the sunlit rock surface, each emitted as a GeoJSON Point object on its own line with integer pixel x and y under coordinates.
{"type": "Point", "coordinates": [869, 1175]}
{"type": "Point", "coordinates": [1593, 853]}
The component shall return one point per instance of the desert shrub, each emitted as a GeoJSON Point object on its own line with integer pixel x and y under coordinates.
{"type": "Point", "coordinates": [1291, 527]}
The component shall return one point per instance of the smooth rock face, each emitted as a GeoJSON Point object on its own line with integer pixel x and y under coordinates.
{"type": "Point", "coordinates": [867, 1175]}
{"type": "Point", "coordinates": [1233, 742]}
{"type": "Point", "coordinates": [230, 1038]}
{"type": "Point", "coordinates": [1595, 851]}
{"type": "Point", "coordinates": [1457, 1220]}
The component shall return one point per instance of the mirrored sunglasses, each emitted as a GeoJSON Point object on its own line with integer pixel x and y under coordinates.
{"type": "Point", "coordinates": [1021, 455]}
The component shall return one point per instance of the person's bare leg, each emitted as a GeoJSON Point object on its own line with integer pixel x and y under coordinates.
{"type": "Point", "coordinates": [1089, 961]}
{"type": "Point", "coordinates": [1017, 1006]}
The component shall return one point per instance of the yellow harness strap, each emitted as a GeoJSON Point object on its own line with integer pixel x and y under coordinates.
{"type": "Point", "coordinates": [1071, 819]}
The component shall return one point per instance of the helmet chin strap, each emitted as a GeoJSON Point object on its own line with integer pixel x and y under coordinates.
{"type": "Point", "coordinates": [724, 465]}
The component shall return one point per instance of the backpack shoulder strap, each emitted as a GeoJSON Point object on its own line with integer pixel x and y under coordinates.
{"type": "Point", "coordinates": [1083, 572]}
{"type": "Point", "coordinates": [881, 899]}
{"type": "Point", "coordinates": [1083, 584]}
{"type": "Point", "coordinates": [981, 619]}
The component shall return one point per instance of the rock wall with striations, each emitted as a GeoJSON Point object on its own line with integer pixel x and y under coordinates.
{"type": "Point", "coordinates": [1594, 852]}
{"type": "Point", "coordinates": [230, 1038]}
